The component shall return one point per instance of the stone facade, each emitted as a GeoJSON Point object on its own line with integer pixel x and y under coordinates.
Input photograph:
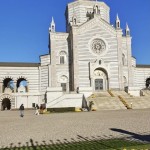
{"type": "Point", "coordinates": [91, 56]}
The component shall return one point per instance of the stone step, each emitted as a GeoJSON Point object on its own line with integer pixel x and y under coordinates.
{"type": "Point", "coordinates": [139, 102]}
{"type": "Point", "coordinates": [107, 103]}
{"type": "Point", "coordinates": [120, 93]}
{"type": "Point", "coordinates": [145, 92]}
{"type": "Point", "coordinates": [102, 94]}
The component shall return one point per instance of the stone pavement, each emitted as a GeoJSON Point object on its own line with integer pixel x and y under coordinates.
{"type": "Point", "coordinates": [14, 130]}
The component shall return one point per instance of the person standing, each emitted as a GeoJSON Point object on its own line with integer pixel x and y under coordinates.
{"type": "Point", "coordinates": [37, 109]}
{"type": "Point", "coordinates": [21, 110]}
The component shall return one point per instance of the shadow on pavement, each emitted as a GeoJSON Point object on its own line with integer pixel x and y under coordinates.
{"type": "Point", "coordinates": [140, 137]}
{"type": "Point", "coordinates": [80, 143]}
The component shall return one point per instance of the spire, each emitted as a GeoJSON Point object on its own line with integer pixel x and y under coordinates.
{"type": "Point", "coordinates": [117, 22]}
{"type": "Point", "coordinates": [53, 21]}
{"type": "Point", "coordinates": [127, 27]}
{"type": "Point", "coordinates": [117, 17]}
{"type": "Point", "coordinates": [127, 30]}
{"type": "Point", "coordinates": [52, 27]}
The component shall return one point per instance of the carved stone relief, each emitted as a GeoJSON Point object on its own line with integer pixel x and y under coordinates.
{"type": "Point", "coordinates": [99, 73]}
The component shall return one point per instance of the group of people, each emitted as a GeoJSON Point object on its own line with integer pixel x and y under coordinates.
{"type": "Point", "coordinates": [37, 109]}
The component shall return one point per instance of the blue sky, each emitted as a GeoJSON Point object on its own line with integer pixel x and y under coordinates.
{"type": "Point", "coordinates": [24, 26]}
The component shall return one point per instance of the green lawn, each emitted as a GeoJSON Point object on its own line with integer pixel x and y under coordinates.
{"type": "Point", "coordinates": [113, 144]}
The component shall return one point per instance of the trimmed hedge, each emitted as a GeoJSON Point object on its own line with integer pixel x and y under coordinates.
{"type": "Point", "coordinates": [65, 109]}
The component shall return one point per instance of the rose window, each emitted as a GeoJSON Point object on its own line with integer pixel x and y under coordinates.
{"type": "Point", "coordinates": [98, 46]}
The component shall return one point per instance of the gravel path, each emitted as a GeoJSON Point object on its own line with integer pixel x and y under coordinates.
{"type": "Point", "coordinates": [60, 127]}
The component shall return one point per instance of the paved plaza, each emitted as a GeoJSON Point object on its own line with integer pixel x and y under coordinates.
{"type": "Point", "coordinates": [62, 127]}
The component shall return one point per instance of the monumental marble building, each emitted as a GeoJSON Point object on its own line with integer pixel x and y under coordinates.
{"type": "Point", "coordinates": [92, 56]}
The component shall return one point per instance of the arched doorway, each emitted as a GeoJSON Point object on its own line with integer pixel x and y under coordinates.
{"type": "Point", "coordinates": [147, 83]}
{"type": "Point", "coordinates": [64, 83]}
{"type": "Point", "coordinates": [6, 104]}
{"type": "Point", "coordinates": [100, 81]}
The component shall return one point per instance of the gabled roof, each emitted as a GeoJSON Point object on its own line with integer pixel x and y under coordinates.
{"type": "Point", "coordinates": [93, 22]}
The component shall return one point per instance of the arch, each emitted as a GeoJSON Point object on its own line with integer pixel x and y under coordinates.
{"type": "Point", "coordinates": [22, 77]}
{"type": "Point", "coordinates": [74, 21]}
{"type": "Point", "coordinates": [118, 24]}
{"type": "Point", "coordinates": [63, 57]}
{"type": "Point", "coordinates": [8, 85]}
{"type": "Point", "coordinates": [127, 32]}
{"type": "Point", "coordinates": [96, 9]}
{"type": "Point", "coordinates": [64, 82]}
{"type": "Point", "coordinates": [100, 80]}
{"type": "Point", "coordinates": [64, 79]}
{"type": "Point", "coordinates": [53, 27]}
{"type": "Point", "coordinates": [103, 70]}
{"type": "Point", "coordinates": [147, 83]}
{"type": "Point", "coordinates": [6, 104]}
{"type": "Point", "coordinates": [22, 85]}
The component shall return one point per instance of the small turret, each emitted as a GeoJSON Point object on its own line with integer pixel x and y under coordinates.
{"type": "Point", "coordinates": [96, 9]}
{"type": "Point", "coordinates": [117, 22]}
{"type": "Point", "coordinates": [52, 27]}
{"type": "Point", "coordinates": [127, 30]}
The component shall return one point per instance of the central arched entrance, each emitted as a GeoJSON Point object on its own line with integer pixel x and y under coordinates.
{"type": "Point", "coordinates": [100, 81]}
{"type": "Point", "coordinates": [6, 104]}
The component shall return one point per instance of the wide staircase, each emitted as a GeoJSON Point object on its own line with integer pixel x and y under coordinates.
{"type": "Point", "coordinates": [105, 101]}
{"type": "Point", "coordinates": [131, 102]}
{"type": "Point", "coordinates": [115, 100]}
{"type": "Point", "coordinates": [142, 102]}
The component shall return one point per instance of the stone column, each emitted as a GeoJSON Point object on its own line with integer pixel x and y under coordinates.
{"type": "Point", "coordinates": [15, 86]}
{"type": "Point", "coordinates": [27, 90]}
{"type": "Point", "coordinates": [27, 86]}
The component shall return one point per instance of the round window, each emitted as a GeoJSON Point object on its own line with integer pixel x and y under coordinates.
{"type": "Point", "coordinates": [98, 46]}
